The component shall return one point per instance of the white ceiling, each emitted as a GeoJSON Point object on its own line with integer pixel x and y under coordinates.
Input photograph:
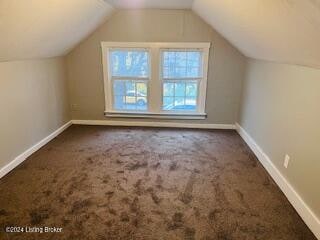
{"type": "Point", "coordinates": [46, 28]}
{"type": "Point", "coordinates": [285, 31]}
{"type": "Point", "coordinates": [158, 4]}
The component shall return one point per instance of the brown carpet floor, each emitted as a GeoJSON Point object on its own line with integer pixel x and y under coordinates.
{"type": "Point", "coordinates": [146, 183]}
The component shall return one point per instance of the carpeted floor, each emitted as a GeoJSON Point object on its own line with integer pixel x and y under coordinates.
{"type": "Point", "coordinates": [135, 183]}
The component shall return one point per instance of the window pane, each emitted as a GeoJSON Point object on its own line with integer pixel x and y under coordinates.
{"type": "Point", "coordinates": [168, 103]}
{"type": "Point", "coordinates": [141, 103]}
{"type": "Point", "coordinates": [180, 95]}
{"type": "Point", "coordinates": [128, 63]}
{"type": "Point", "coordinates": [191, 72]}
{"type": "Point", "coordinates": [119, 88]}
{"type": "Point", "coordinates": [191, 103]}
{"type": "Point", "coordinates": [166, 71]}
{"type": "Point", "coordinates": [178, 101]}
{"type": "Point", "coordinates": [191, 89]}
{"type": "Point", "coordinates": [119, 103]}
{"type": "Point", "coordinates": [181, 64]}
{"type": "Point", "coordinates": [194, 59]}
{"type": "Point", "coordinates": [180, 89]}
{"type": "Point", "coordinates": [130, 95]}
{"type": "Point", "coordinates": [130, 88]}
{"type": "Point", "coordinates": [168, 89]}
{"type": "Point", "coordinates": [141, 89]}
{"type": "Point", "coordinates": [181, 59]}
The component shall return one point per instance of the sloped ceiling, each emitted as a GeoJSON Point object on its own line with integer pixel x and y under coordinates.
{"type": "Point", "coordinates": [159, 4]}
{"type": "Point", "coordinates": [47, 28]}
{"type": "Point", "coordinates": [285, 31]}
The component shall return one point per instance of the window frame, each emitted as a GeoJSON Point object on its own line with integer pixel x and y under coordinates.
{"type": "Point", "coordinates": [199, 109]}
{"type": "Point", "coordinates": [108, 87]}
{"type": "Point", "coordinates": [155, 80]}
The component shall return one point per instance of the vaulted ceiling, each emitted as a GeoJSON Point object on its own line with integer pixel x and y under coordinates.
{"type": "Point", "coordinates": [156, 4]}
{"type": "Point", "coordinates": [285, 31]}
{"type": "Point", "coordinates": [46, 28]}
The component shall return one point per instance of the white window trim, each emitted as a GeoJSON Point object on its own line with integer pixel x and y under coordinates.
{"type": "Point", "coordinates": [155, 84]}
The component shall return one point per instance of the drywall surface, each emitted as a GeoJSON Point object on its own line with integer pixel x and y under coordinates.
{"type": "Point", "coordinates": [33, 103]}
{"type": "Point", "coordinates": [280, 110]}
{"type": "Point", "coordinates": [154, 4]}
{"type": "Point", "coordinates": [37, 29]}
{"type": "Point", "coordinates": [226, 64]}
{"type": "Point", "coordinates": [285, 31]}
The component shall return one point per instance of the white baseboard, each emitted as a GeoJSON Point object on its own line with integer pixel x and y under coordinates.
{"type": "Point", "coordinates": [10, 166]}
{"type": "Point", "coordinates": [294, 198]}
{"type": "Point", "coordinates": [153, 124]}
{"type": "Point", "coordinates": [301, 207]}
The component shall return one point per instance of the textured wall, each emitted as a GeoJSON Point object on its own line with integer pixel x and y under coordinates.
{"type": "Point", "coordinates": [33, 103]}
{"type": "Point", "coordinates": [280, 110]}
{"type": "Point", "coordinates": [226, 64]}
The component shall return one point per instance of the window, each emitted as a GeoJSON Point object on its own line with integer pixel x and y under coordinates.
{"type": "Point", "coordinates": [130, 73]}
{"type": "Point", "coordinates": [181, 73]}
{"type": "Point", "coordinates": [163, 80]}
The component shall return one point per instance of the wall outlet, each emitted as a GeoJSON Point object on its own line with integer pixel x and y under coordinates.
{"type": "Point", "coordinates": [286, 161]}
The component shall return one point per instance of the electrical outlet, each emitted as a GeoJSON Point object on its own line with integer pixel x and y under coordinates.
{"type": "Point", "coordinates": [286, 161]}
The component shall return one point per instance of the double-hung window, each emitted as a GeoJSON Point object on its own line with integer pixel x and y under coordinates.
{"type": "Point", "coordinates": [155, 80]}
{"type": "Point", "coordinates": [181, 73]}
{"type": "Point", "coordinates": [130, 74]}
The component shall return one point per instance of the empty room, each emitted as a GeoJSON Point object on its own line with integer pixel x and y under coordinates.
{"type": "Point", "coordinates": [159, 119]}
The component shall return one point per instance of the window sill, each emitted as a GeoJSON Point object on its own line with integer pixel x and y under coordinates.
{"type": "Point", "coordinates": [148, 115]}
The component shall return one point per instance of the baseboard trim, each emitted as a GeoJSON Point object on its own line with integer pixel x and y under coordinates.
{"type": "Point", "coordinates": [19, 159]}
{"type": "Point", "coordinates": [153, 124]}
{"type": "Point", "coordinates": [294, 198]}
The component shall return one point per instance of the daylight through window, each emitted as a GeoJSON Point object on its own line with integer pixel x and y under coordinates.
{"type": "Point", "coordinates": [181, 72]}
{"type": "Point", "coordinates": [155, 79]}
{"type": "Point", "coordinates": [130, 75]}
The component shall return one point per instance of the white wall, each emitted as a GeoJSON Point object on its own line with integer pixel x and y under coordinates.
{"type": "Point", "coordinates": [281, 112]}
{"type": "Point", "coordinates": [33, 103]}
